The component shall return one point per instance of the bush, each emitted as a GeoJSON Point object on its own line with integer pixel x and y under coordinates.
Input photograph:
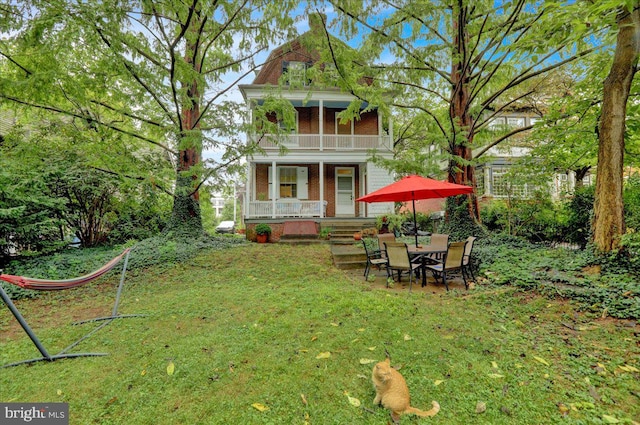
{"type": "Point", "coordinates": [579, 211]}
{"type": "Point", "coordinates": [263, 229]}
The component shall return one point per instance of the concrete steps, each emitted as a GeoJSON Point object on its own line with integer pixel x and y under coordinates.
{"type": "Point", "coordinates": [348, 256]}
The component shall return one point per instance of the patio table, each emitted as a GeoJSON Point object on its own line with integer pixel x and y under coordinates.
{"type": "Point", "coordinates": [426, 254]}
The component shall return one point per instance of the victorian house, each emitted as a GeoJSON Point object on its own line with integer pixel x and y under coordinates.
{"type": "Point", "coordinates": [315, 171]}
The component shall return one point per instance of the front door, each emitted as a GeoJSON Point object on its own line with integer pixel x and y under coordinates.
{"type": "Point", "coordinates": [345, 187]}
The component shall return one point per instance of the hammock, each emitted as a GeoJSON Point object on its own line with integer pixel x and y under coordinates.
{"type": "Point", "coordinates": [53, 285]}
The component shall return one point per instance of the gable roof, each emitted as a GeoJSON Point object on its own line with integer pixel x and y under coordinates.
{"type": "Point", "coordinates": [296, 50]}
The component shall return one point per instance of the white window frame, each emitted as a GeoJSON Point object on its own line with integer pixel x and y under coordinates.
{"type": "Point", "coordinates": [515, 122]}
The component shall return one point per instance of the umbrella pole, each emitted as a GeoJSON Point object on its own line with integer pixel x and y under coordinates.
{"type": "Point", "coordinates": [415, 221]}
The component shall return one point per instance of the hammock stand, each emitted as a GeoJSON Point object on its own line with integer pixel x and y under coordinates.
{"type": "Point", "coordinates": [53, 285]}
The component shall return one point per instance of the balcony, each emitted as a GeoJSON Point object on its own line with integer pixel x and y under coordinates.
{"type": "Point", "coordinates": [326, 142]}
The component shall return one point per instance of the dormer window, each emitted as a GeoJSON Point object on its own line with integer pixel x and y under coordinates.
{"type": "Point", "coordinates": [296, 73]}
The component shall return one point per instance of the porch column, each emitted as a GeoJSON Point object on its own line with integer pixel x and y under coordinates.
{"type": "Point", "coordinates": [321, 174]}
{"type": "Point", "coordinates": [248, 191]}
{"type": "Point", "coordinates": [321, 123]}
{"type": "Point", "coordinates": [274, 174]}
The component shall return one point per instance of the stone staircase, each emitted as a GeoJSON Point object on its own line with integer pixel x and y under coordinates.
{"type": "Point", "coordinates": [346, 254]}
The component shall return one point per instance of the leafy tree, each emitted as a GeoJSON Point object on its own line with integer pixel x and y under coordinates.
{"type": "Point", "coordinates": [157, 73]}
{"type": "Point", "coordinates": [50, 190]}
{"type": "Point", "coordinates": [608, 221]}
{"type": "Point", "coordinates": [457, 64]}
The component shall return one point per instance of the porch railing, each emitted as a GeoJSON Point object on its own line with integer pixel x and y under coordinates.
{"type": "Point", "coordinates": [286, 208]}
{"type": "Point", "coordinates": [326, 142]}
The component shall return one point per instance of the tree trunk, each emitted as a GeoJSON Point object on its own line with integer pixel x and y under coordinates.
{"type": "Point", "coordinates": [608, 221]}
{"type": "Point", "coordinates": [186, 215]}
{"type": "Point", "coordinates": [460, 115]}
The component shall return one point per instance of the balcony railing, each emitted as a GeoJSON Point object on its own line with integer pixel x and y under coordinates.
{"type": "Point", "coordinates": [286, 208]}
{"type": "Point", "coordinates": [333, 142]}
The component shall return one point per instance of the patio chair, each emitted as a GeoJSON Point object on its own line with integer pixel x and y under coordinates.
{"type": "Point", "coordinates": [467, 265]}
{"type": "Point", "coordinates": [385, 237]}
{"type": "Point", "coordinates": [400, 261]}
{"type": "Point", "coordinates": [440, 243]}
{"type": "Point", "coordinates": [453, 261]}
{"type": "Point", "coordinates": [376, 257]}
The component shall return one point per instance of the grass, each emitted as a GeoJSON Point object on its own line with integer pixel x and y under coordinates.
{"type": "Point", "coordinates": [250, 324]}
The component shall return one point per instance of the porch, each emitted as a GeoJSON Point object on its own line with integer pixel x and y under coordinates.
{"type": "Point", "coordinates": [286, 208]}
{"type": "Point", "coordinates": [326, 142]}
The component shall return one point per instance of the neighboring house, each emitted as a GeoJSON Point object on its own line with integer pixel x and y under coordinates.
{"type": "Point", "coordinates": [325, 167]}
{"type": "Point", "coordinates": [492, 177]}
{"type": "Point", "coordinates": [217, 203]}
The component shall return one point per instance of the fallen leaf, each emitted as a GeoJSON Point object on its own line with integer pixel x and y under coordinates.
{"type": "Point", "coordinates": [366, 361]}
{"type": "Point", "coordinates": [304, 399]}
{"type": "Point", "coordinates": [438, 382]}
{"type": "Point", "coordinates": [494, 365]}
{"type": "Point", "coordinates": [541, 360]}
{"type": "Point", "coordinates": [371, 348]}
{"type": "Point", "coordinates": [496, 375]}
{"type": "Point", "coordinates": [323, 355]}
{"type": "Point", "coordinates": [171, 368]}
{"type": "Point", "coordinates": [334, 324]}
{"type": "Point", "coordinates": [481, 407]}
{"type": "Point", "coordinates": [407, 337]}
{"type": "Point", "coordinates": [144, 372]}
{"type": "Point", "coordinates": [628, 368]}
{"type": "Point", "coordinates": [354, 401]}
{"type": "Point", "coordinates": [313, 338]}
{"type": "Point", "coordinates": [563, 408]}
{"type": "Point", "coordinates": [260, 407]}
{"type": "Point", "coordinates": [59, 392]}
{"type": "Point", "coordinates": [608, 419]}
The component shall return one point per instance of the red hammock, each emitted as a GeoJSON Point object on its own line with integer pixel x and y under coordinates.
{"type": "Point", "coordinates": [54, 285]}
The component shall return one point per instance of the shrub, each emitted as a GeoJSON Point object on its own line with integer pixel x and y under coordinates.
{"type": "Point", "coordinates": [263, 229]}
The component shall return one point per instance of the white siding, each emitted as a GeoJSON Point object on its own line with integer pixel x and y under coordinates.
{"type": "Point", "coordinates": [377, 178]}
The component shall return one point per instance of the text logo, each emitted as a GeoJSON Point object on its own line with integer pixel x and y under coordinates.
{"type": "Point", "coordinates": [34, 413]}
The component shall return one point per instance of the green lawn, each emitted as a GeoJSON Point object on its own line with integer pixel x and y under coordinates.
{"type": "Point", "coordinates": [280, 326]}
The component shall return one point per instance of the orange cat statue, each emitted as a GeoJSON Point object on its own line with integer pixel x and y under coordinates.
{"type": "Point", "coordinates": [392, 392]}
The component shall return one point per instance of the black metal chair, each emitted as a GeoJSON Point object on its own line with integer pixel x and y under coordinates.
{"type": "Point", "coordinates": [376, 257]}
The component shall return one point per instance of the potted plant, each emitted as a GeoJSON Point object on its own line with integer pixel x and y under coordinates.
{"type": "Point", "coordinates": [263, 231]}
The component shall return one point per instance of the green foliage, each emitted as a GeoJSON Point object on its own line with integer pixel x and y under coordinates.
{"type": "Point", "coordinates": [239, 336]}
{"type": "Point", "coordinates": [163, 252]}
{"type": "Point", "coordinates": [459, 224]}
{"type": "Point", "coordinates": [631, 198]}
{"type": "Point", "coordinates": [579, 211]}
{"type": "Point", "coordinates": [537, 220]}
{"type": "Point", "coordinates": [391, 222]}
{"type": "Point", "coordinates": [605, 284]}
{"type": "Point", "coordinates": [263, 229]}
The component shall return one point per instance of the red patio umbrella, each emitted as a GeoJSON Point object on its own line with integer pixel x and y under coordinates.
{"type": "Point", "coordinates": [412, 188]}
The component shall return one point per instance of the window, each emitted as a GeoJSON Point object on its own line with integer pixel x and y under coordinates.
{"type": "Point", "coordinates": [502, 186]}
{"type": "Point", "coordinates": [291, 182]}
{"type": "Point", "coordinates": [288, 184]}
{"type": "Point", "coordinates": [296, 73]}
{"type": "Point", "coordinates": [515, 122]}
{"type": "Point", "coordinates": [496, 123]}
